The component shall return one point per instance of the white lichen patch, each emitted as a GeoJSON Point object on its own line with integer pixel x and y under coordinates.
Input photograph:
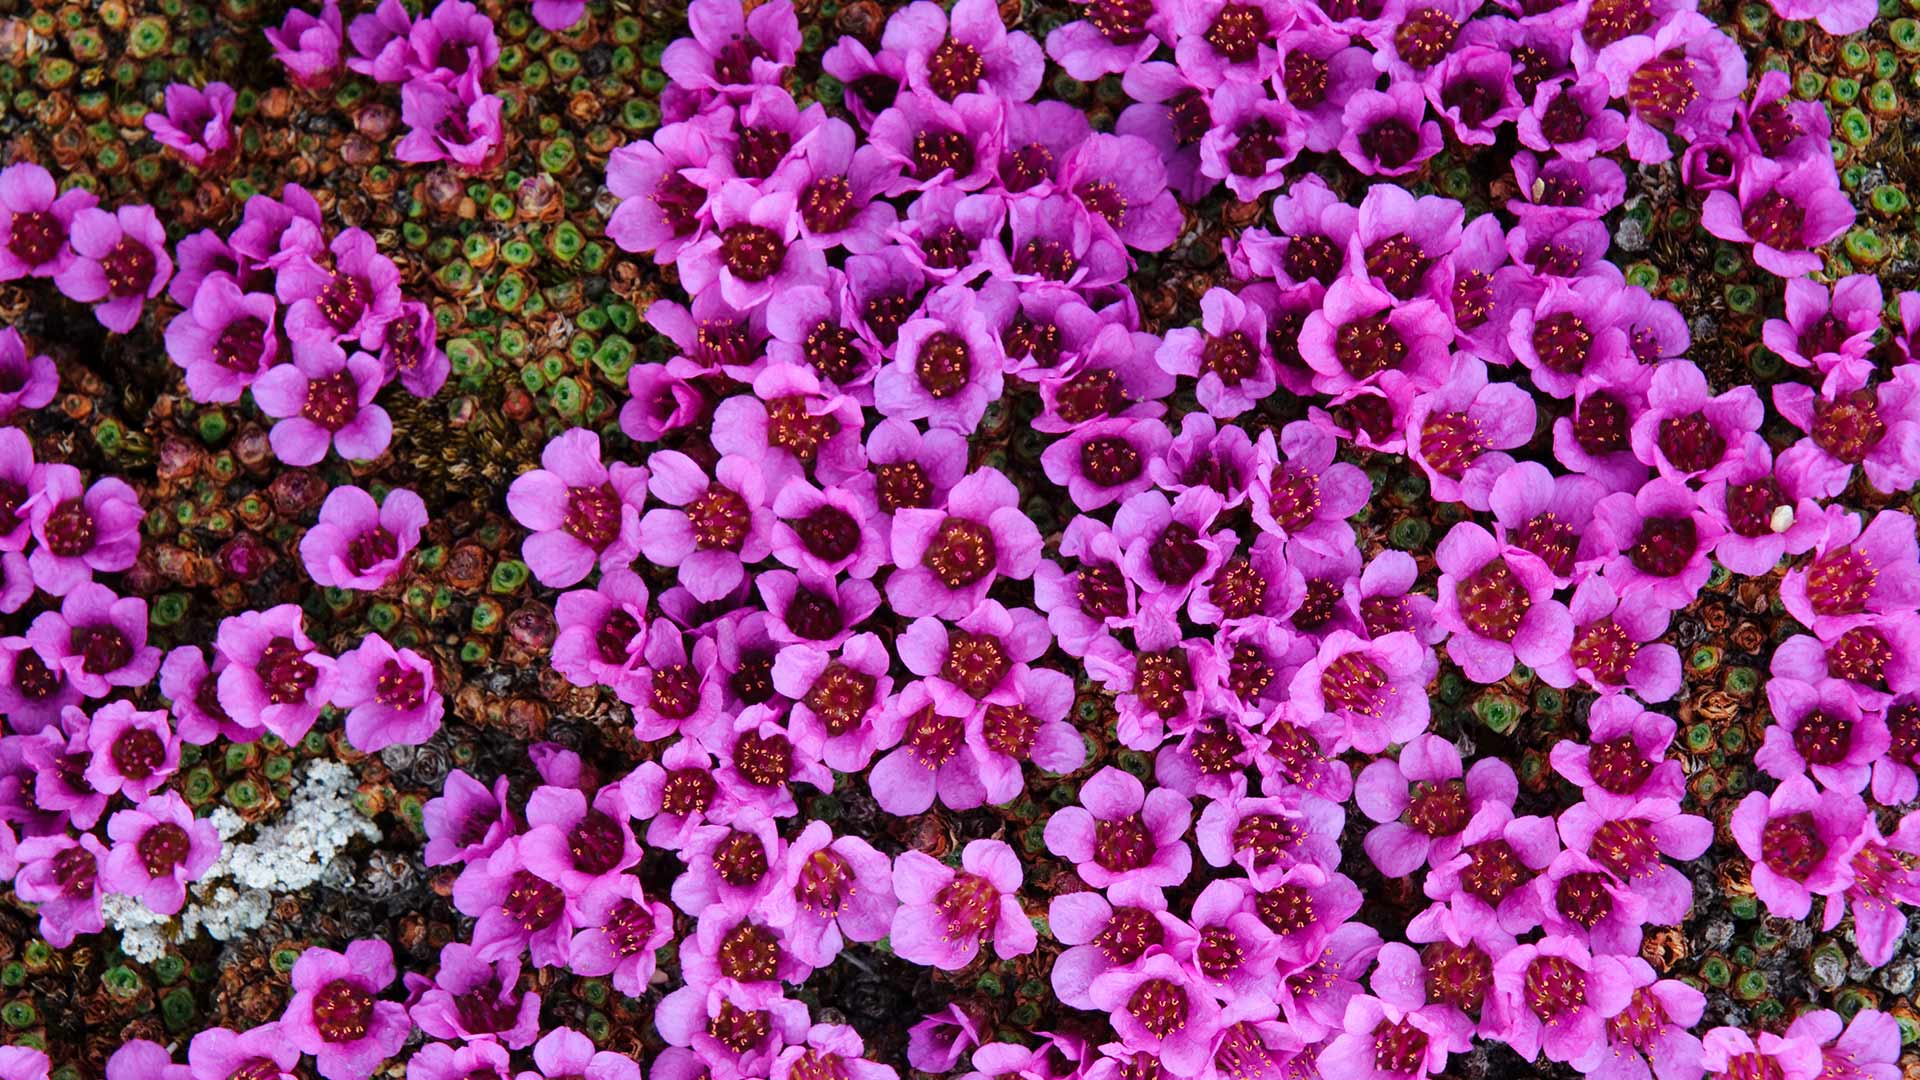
{"type": "Point", "coordinates": [256, 864]}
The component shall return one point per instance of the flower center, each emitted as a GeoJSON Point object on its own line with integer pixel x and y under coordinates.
{"type": "Point", "coordinates": [1562, 341]}
{"type": "Point", "coordinates": [264, 1069]}
{"type": "Point", "coordinates": [1609, 21]}
{"type": "Point", "coordinates": [1399, 265]}
{"type": "Point", "coordinates": [1618, 766]}
{"type": "Point", "coordinates": [1775, 220]}
{"type": "Point", "coordinates": [1639, 1023]}
{"type": "Point", "coordinates": [1295, 499]}
{"type": "Point", "coordinates": [593, 516]}
{"type": "Point", "coordinates": [1750, 506]}
{"type": "Point", "coordinates": [829, 533]}
{"type": "Point", "coordinates": [937, 151]}
{"type": "Point", "coordinates": [332, 400]}
{"type": "Point", "coordinates": [1691, 443]}
{"type": "Point", "coordinates": [840, 697]}
{"type": "Point", "coordinates": [933, 738]}
{"type": "Point", "coordinates": [955, 68]}
{"type": "Point", "coordinates": [675, 691]}
{"type": "Point", "coordinates": [401, 688]}
{"type": "Point", "coordinates": [830, 349]}
{"type": "Point", "coordinates": [629, 927]}
{"type": "Point", "coordinates": [1121, 22]}
{"type": "Point", "coordinates": [129, 268]}
{"type": "Point", "coordinates": [962, 553]}
{"type": "Point", "coordinates": [948, 248]}
{"type": "Point", "coordinates": [687, 792]}
{"type": "Point", "coordinates": [975, 663]}
{"type": "Point", "coordinates": [1399, 1047]}
{"type": "Point", "coordinates": [721, 519]}
{"type": "Point", "coordinates": [103, 649]}
{"type": "Point", "coordinates": [1256, 144]}
{"type": "Point", "coordinates": [826, 206]}
{"type": "Point", "coordinates": [1563, 120]}
{"type": "Point", "coordinates": [825, 883]}
{"type": "Point", "coordinates": [1049, 259]}
{"type": "Point", "coordinates": [792, 427]}
{"type": "Point", "coordinates": [1472, 299]}
{"type": "Point", "coordinates": [1451, 442]}
{"type": "Point", "coordinates": [1110, 461]}
{"type": "Point", "coordinates": [719, 342]}
{"type": "Point", "coordinates": [1457, 975]}
{"type": "Point", "coordinates": [1027, 167]}
{"type": "Point", "coordinates": [1386, 614]}
{"type": "Point", "coordinates": [1439, 809]}
{"type": "Point", "coordinates": [1903, 722]}
{"type": "Point", "coordinates": [1190, 117]}
{"type": "Point", "coordinates": [1218, 953]}
{"type": "Point", "coordinates": [1366, 347]}
{"type": "Point", "coordinates": [1841, 583]}
{"type": "Point", "coordinates": [70, 530]}
{"type": "Point", "coordinates": [1474, 97]}
{"type": "Point", "coordinates": [76, 871]}
{"type": "Point", "coordinates": [1492, 601]}
{"type": "Point", "coordinates": [342, 1011]}
{"type": "Point", "coordinates": [371, 548]}
{"type": "Point", "coordinates": [138, 752]}
{"type": "Point", "coordinates": [1582, 898]}
{"type": "Point", "coordinates": [1163, 680]}
{"type": "Point", "coordinates": [284, 672]}
{"type": "Point", "coordinates": [1493, 871]}
{"type": "Point", "coordinates": [749, 953]}
{"type": "Point", "coordinates": [36, 236]}
{"type": "Point", "coordinates": [1600, 424]}
{"type": "Point", "coordinates": [1792, 846]}
{"type": "Point", "coordinates": [1122, 845]}
{"type": "Point", "coordinates": [945, 364]}
{"type": "Point", "coordinates": [1555, 988]}
{"type": "Point", "coordinates": [1238, 590]}
{"type": "Point", "coordinates": [163, 847]}
{"type": "Point", "coordinates": [1128, 935]}
{"type": "Point", "coordinates": [752, 252]}
{"type": "Point", "coordinates": [815, 1064]}
{"type": "Point", "coordinates": [1625, 846]}
{"type": "Point", "coordinates": [760, 150]}
{"type": "Point", "coordinates": [1101, 591]}
{"type": "Point", "coordinates": [1159, 1005]}
{"type": "Point", "coordinates": [596, 844]}
{"type": "Point", "coordinates": [1550, 538]}
{"type": "Point", "coordinates": [1391, 142]}
{"type": "Point", "coordinates": [1823, 738]}
{"type": "Point", "coordinates": [678, 200]}
{"type": "Point", "coordinates": [1305, 81]}
{"type": "Point", "coordinates": [969, 903]}
{"type": "Point", "coordinates": [1665, 546]}
{"type": "Point", "coordinates": [1232, 356]}
{"type": "Point", "coordinates": [532, 903]}
{"type": "Point", "coordinates": [738, 1029]}
{"type": "Point", "coordinates": [240, 345]}
{"type": "Point", "coordinates": [1319, 606]}
{"type": "Point", "coordinates": [764, 761]}
{"type": "Point", "coordinates": [1249, 673]}
{"type": "Point", "coordinates": [1861, 655]}
{"type": "Point", "coordinates": [1103, 197]}
{"type": "Point", "coordinates": [740, 859]}
{"type": "Point", "coordinates": [1848, 428]}
{"type": "Point", "coordinates": [343, 300]}
{"type": "Point", "coordinates": [34, 679]}
{"type": "Point", "coordinates": [1177, 555]}
{"type": "Point", "coordinates": [1662, 88]}
{"type": "Point", "coordinates": [903, 484]}
{"type": "Point", "coordinates": [1010, 730]}
{"type": "Point", "coordinates": [1267, 837]}
{"type": "Point", "coordinates": [1238, 31]}
{"type": "Point", "coordinates": [1425, 37]}
{"type": "Point", "coordinates": [1285, 909]}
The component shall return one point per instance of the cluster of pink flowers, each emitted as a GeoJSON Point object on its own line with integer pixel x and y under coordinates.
{"type": "Point", "coordinates": [856, 601]}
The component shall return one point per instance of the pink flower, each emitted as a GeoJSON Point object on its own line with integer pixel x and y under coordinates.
{"type": "Point", "coordinates": [335, 1014]}
{"type": "Point", "coordinates": [1801, 841]}
{"type": "Point", "coordinates": [158, 848]}
{"type": "Point", "coordinates": [1498, 605]}
{"type": "Point", "coordinates": [1122, 832]}
{"type": "Point", "coordinates": [1423, 802]}
{"type": "Point", "coordinates": [947, 915]}
{"type": "Point", "coordinates": [325, 400]}
{"type": "Point", "coordinates": [120, 262]}
{"type": "Point", "coordinates": [1554, 997]}
{"type": "Point", "coordinates": [359, 545]}
{"type": "Point", "coordinates": [388, 694]}
{"type": "Point", "coordinates": [582, 513]}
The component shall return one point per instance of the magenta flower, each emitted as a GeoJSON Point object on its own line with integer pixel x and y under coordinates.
{"type": "Point", "coordinates": [1688, 435]}
{"type": "Point", "coordinates": [197, 125]}
{"type": "Point", "coordinates": [459, 125]}
{"type": "Point", "coordinates": [1831, 332]}
{"type": "Point", "coordinates": [408, 351]}
{"type": "Point", "coordinates": [131, 752]}
{"type": "Point", "coordinates": [335, 1014]}
{"type": "Point", "coordinates": [1498, 604]}
{"type": "Point", "coordinates": [1250, 141]}
{"type": "Point", "coordinates": [711, 528]}
{"type": "Point", "coordinates": [26, 382]}
{"type": "Point", "coordinates": [621, 930]}
{"type": "Point", "coordinates": [1865, 1048]}
{"type": "Point", "coordinates": [1300, 493]}
{"type": "Point", "coordinates": [61, 874]}
{"type": "Point", "coordinates": [1624, 761]}
{"type": "Point", "coordinates": [82, 529]}
{"type": "Point", "coordinates": [158, 848]}
{"type": "Point", "coordinates": [97, 640]}
{"type": "Point", "coordinates": [1121, 832]}
{"type": "Point", "coordinates": [1783, 210]}
{"type": "Point", "coordinates": [388, 694]}
{"type": "Point", "coordinates": [353, 301]}
{"type": "Point", "coordinates": [1547, 516]}
{"type": "Point", "coordinates": [1112, 39]}
{"type": "Point", "coordinates": [467, 821]}
{"type": "Point", "coordinates": [33, 693]}
{"type": "Point", "coordinates": [1855, 572]}
{"type": "Point", "coordinates": [1361, 336]}
{"type": "Point", "coordinates": [1571, 119]}
{"type": "Point", "coordinates": [564, 1052]}
{"type": "Point", "coordinates": [220, 1053]}
{"type": "Point", "coordinates": [946, 559]}
{"type": "Point", "coordinates": [1726, 1051]}
{"type": "Point", "coordinates": [1456, 433]}
{"type": "Point", "coordinates": [1554, 997]}
{"type": "Point", "coordinates": [40, 220]}
{"type": "Point", "coordinates": [473, 1000]}
{"type": "Point", "coordinates": [324, 400]}
{"type": "Point", "coordinates": [602, 633]}
{"type": "Point", "coordinates": [754, 250]}
{"type": "Point", "coordinates": [830, 890]}
{"type": "Point", "coordinates": [661, 210]}
{"type": "Point", "coordinates": [1423, 802]}
{"type": "Point", "coordinates": [482, 1060]}
{"type": "Point", "coordinates": [1801, 841]}
{"type": "Point", "coordinates": [1838, 17]}
{"type": "Point", "coordinates": [1362, 693]}
{"type": "Point", "coordinates": [358, 544]}
{"type": "Point", "coordinates": [1157, 1006]}
{"type": "Point", "coordinates": [1031, 728]}
{"type": "Point", "coordinates": [1387, 134]}
{"type": "Point", "coordinates": [732, 51]}
{"type": "Point", "coordinates": [946, 915]}
{"type": "Point", "coordinates": [1820, 729]}
{"type": "Point", "coordinates": [120, 262]}
{"type": "Point", "coordinates": [1661, 541]}
{"type": "Point", "coordinates": [1500, 854]}
{"type": "Point", "coordinates": [1269, 836]}
{"type": "Point", "coordinates": [1877, 429]}
{"type": "Point", "coordinates": [966, 51]}
{"type": "Point", "coordinates": [581, 512]}
{"type": "Point", "coordinates": [273, 675]}
{"type": "Point", "coordinates": [517, 908]}
{"type": "Point", "coordinates": [1382, 1039]}
{"type": "Point", "coordinates": [225, 339]}
{"type": "Point", "coordinates": [309, 46]}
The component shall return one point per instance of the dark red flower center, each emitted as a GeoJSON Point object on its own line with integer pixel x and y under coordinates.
{"type": "Point", "coordinates": [1582, 898]}
{"type": "Point", "coordinates": [1110, 461]}
{"type": "Point", "coordinates": [721, 519]}
{"type": "Point", "coordinates": [162, 847]}
{"type": "Point", "coordinates": [738, 1029]}
{"type": "Point", "coordinates": [1665, 546]}
{"type": "Point", "coordinates": [933, 738]}
{"type": "Point", "coordinates": [961, 553]}
{"type": "Point", "coordinates": [675, 691]}
{"type": "Point", "coordinates": [1238, 32]}
{"type": "Point", "coordinates": [759, 150]}
{"type": "Point", "coordinates": [1129, 933]}
{"type": "Point", "coordinates": [1368, 346]}
{"type": "Point", "coordinates": [1849, 427]}
{"type": "Point", "coordinates": [1493, 602]}
{"type": "Point", "coordinates": [1609, 21]}
{"type": "Point", "coordinates": [1564, 121]}
{"type": "Point", "coordinates": [1750, 506]}
{"type": "Point", "coordinates": [371, 548]}
{"type": "Point", "coordinates": [401, 688]}
{"type": "Point", "coordinates": [678, 201]}
{"type": "Point", "coordinates": [332, 400]}
{"type": "Point", "coordinates": [944, 365]}
{"type": "Point", "coordinates": [1009, 730]}
{"type": "Point", "coordinates": [1457, 975]}
{"type": "Point", "coordinates": [1267, 837]}
{"type": "Point", "coordinates": [968, 904]}
{"type": "Point", "coordinates": [1618, 766]}
{"type": "Point", "coordinates": [1101, 591]}
{"type": "Point", "coordinates": [825, 883]}
{"type": "Point", "coordinates": [1122, 845]}
{"type": "Point", "coordinates": [1600, 424]}
{"type": "Point", "coordinates": [1823, 737]}
{"type": "Point", "coordinates": [687, 792]}
{"type": "Point", "coordinates": [343, 1011]}
{"type": "Point", "coordinates": [1425, 37]}
{"type": "Point", "coordinates": [795, 428]}
{"type": "Point", "coordinates": [830, 349]}
{"type": "Point", "coordinates": [103, 649]}
{"type": "Point", "coordinates": [138, 752]}
{"type": "Point", "coordinates": [1391, 142]}
{"type": "Point", "coordinates": [129, 268]}
{"type": "Point", "coordinates": [1625, 846]}
{"type": "Point", "coordinates": [1841, 583]}
{"type": "Point", "coordinates": [1792, 845]}
{"type": "Point", "coordinates": [1285, 909]}
{"type": "Point", "coordinates": [955, 68]}
{"type": "Point", "coordinates": [1121, 22]}
{"type": "Point", "coordinates": [1639, 1023]}
{"type": "Point", "coordinates": [240, 345]}
{"type": "Point", "coordinates": [975, 662]}
{"type": "Point", "coordinates": [740, 859]}
{"type": "Point", "coordinates": [70, 530]}
{"type": "Point", "coordinates": [1160, 1006]}
{"type": "Point", "coordinates": [829, 533]}
{"type": "Point", "coordinates": [1239, 590]}
{"type": "Point", "coordinates": [1439, 809]}
{"type": "Point", "coordinates": [532, 903]}
{"type": "Point", "coordinates": [840, 697]}
{"type": "Point", "coordinates": [284, 672]}
{"type": "Point", "coordinates": [344, 299]}
{"type": "Point", "coordinates": [1861, 655]}
{"type": "Point", "coordinates": [1691, 443]}
{"type": "Point", "coordinates": [1550, 538]}
{"type": "Point", "coordinates": [1026, 167]}
{"type": "Point", "coordinates": [1177, 555]}
{"type": "Point", "coordinates": [1562, 341]}
{"type": "Point", "coordinates": [1232, 356]}
{"type": "Point", "coordinates": [1662, 88]}
{"type": "Point", "coordinates": [629, 928]}
{"type": "Point", "coordinates": [36, 236]}
{"type": "Point", "coordinates": [749, 953]}
{"type": "Point", "coordinates": [936, 151]}
{"type": "Point", "coordinates": [1493, 871]}
{"type": "Point", "coordinates": [596, 844]}
{"type": "Point", "coordinates": [765, 761]}
{"type": "Point", "coordinates": [1451, 442]}
{"type": "Point", "coordinates": [902, 484]}
{"type": "Point", "coordinates": [752, 252]}
{"type": "Point", "coordinates": [1319, 606]}
{"type": "Point", "coordinates": [1399, 1047]}
{"type": "Point", "coordinates": [593, 516]}
{"type": "Point", "coordinates": [1162, 679]}
{"type": "Point", "coordinates": [1775, 220]}
{"type": "Point", "coordinates": [1304, 81]}
{"type": "Point", "coordinates": [1554, 988]}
